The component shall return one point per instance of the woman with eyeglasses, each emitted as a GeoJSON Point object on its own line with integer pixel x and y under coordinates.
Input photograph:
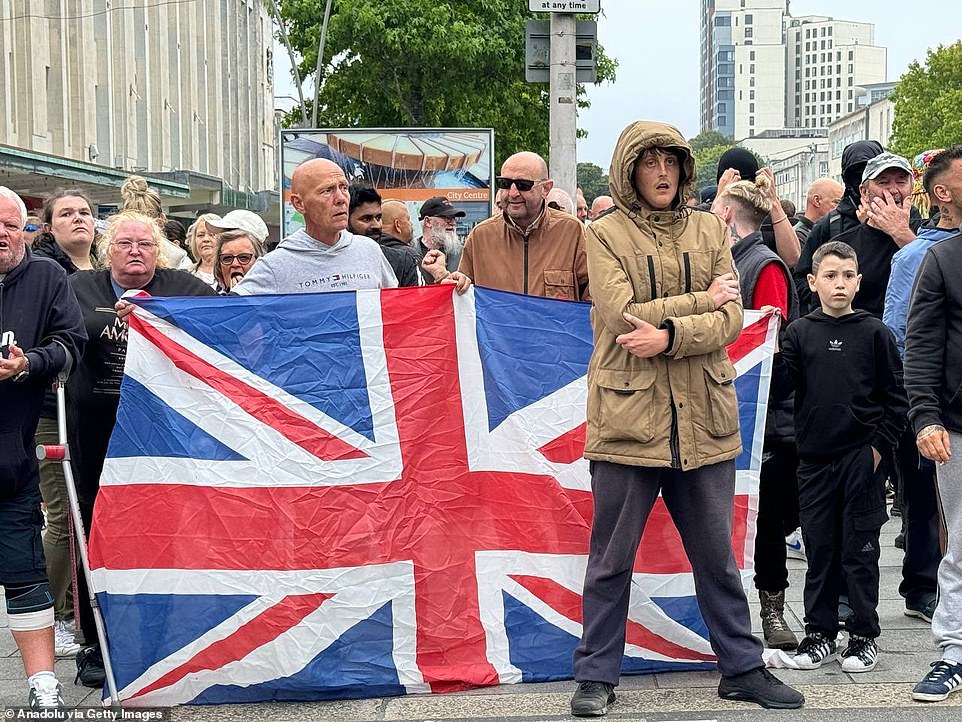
{"type": "Point", "coordinates": [235, 254]}
{"type": "Point", "coordinates": [68, 235]}
{"type": "Point", "coordinates": [134, 257]}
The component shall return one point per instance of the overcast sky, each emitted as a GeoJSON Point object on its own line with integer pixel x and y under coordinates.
{"type": "Point", "coordinates": [657, 51]}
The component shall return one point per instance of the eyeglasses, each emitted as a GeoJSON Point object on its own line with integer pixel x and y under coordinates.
{"type": "Point", "coordinates": [125, 245]}
{"type": "Point", "coordinates": [241, 258]}
{"type": "Point", "coordinates": [31, 227]}
{"type": "Point", "coordinates": [523, 184]}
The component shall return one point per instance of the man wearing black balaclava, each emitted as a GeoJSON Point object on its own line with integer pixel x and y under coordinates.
{"type": "Point", "coordinates": [777, 233]}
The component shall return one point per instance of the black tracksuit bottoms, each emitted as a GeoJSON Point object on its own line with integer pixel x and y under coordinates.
{"type": "Point", "coordinates": [920, 522]}
{"type": "Point", "coordinates": [701, 503]}
{"type": "Point", "coordinates": [842, 510]}
{"type": "Point", "coordinates": [777, 514]}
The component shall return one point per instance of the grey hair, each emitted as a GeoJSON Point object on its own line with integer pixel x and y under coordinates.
{"type": "Point", "coordinates": [17, 201]}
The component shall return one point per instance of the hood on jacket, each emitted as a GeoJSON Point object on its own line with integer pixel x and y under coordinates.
{"type": "Point", "coordinates": [301, 242]}
{"type": "Point", "coordinates": [634, 140]}
{"type": "Point", "coordinates": [854, 157]}
{"type": "Point", "coordinates": [820, 316]}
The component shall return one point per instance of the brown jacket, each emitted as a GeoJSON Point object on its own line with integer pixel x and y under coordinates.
{"type": "Point", "coordinates": [549, 261]}
{"type": "Point", "coordinates": [679, 408]}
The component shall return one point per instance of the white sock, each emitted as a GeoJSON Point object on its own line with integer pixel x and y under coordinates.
{"type": "Point", "coordinates": [42, 679]}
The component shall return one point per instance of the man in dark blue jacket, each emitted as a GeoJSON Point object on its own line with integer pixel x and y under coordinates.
{"type": "Point", "coordinates": [41, 330]}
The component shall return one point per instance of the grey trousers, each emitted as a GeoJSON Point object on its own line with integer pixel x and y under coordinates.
{"type": "Point", "coordinates": [701, 503]}
{"type": "Point", "coordinates": [947, 620]}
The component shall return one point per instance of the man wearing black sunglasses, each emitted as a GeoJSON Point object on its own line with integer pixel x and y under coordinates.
{"type": "Point", "coordinates": [530, 248]}
{"type": "Point", "coordinates": [31, 229]}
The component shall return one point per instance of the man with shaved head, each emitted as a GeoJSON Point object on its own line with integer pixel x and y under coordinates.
{"type": "Point", "coordinates": [823, 196]}
{"type": "Point", "coordinates": [324, 255]}
{"type": "Point", "coordinates": [599, 205]}
{"type": "Point", "coordinates": [397, 234]}
{"type": "Point", "coordinates": [530, 248]}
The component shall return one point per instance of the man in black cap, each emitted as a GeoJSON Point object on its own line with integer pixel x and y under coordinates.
{"type": "Point", "coordinates": [439, 232]}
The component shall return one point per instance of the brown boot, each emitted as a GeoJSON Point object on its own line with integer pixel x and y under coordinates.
{"type": "Point", "coordinates": [776, 631]}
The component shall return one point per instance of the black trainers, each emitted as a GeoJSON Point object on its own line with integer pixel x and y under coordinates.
{"type": "Point", "coordinates": [922, 608]}
{"type": "Point", "coordinates": [90, 668]}
{"type": "Point", "coordinates": [761, 687]}
{"type": "Point", "coordinates": [815, 650]}
{"type": "Point", "coordinates": [591, 699]}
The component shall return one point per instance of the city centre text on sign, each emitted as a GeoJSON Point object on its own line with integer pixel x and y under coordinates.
{"type": "Point", "coordinates": [564, 6]}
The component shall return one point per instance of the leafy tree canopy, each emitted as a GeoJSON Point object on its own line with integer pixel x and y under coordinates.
{"type": "Point", "coordinates": [707, 156]}
{"type": "Point", "coordinates": [709, 139]}
{"type": "Point", "coordinates": [418, 63]}
{"type": "Point", "coordinates": [593, 181]}
{"type": "Point", "coordinates": [927, 102]}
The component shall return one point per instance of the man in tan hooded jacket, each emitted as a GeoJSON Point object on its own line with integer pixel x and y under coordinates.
{"type": "Point", "coordinates": [662, 413]}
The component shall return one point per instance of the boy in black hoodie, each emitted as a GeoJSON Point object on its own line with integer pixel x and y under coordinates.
{"type": "Point", "coordinates": [849, 411]}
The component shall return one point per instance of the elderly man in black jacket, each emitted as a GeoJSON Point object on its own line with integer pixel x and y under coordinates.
{"type": "Point", "coordinates": [41, 330]}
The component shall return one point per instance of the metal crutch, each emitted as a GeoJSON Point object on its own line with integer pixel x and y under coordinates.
{"type": "Point", "coordinates": [61, 452]}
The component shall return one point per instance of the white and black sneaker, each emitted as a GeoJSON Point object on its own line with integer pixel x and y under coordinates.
{"type": "Point", "coordinates": [63, 639]}
{"type": "Point", "coordinates": [815, 650]}
{"type": "Point", "coordinates": [944, 679]}
{"type": "Point", "coordinates": [861, 654]}
{"type": "Point", "coordinates": [46, 693]}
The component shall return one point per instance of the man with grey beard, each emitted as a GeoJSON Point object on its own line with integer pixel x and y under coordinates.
{"type": "Point", "coordinates": [439, 233]}
{"type": "Point", "coordinates": [886, 226]}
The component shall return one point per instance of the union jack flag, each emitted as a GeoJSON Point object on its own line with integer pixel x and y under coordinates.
{"type": "Point", "coordinates": [372, 493]}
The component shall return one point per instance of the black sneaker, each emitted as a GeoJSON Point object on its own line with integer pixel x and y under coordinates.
{"type": "Point", "coordinates": [591, 699]}
{"type": "Point", "coordinates": [761, 687]}
{"type": "Point", "coordinates": [923, 608]}
{"type": "Point", "coordinates": [815, 650]}
{"type": "Point", "coordinates": [90, 668]}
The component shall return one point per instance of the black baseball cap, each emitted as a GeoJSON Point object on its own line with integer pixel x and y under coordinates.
{"type": "Point", "coordinates": [439, 206]}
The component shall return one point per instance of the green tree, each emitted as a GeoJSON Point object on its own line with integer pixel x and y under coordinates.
{"type": "Point", "coordinates": [927, 102]}
{"type": "Point", "coordinates": [426, 63]}
{"type": "Point", "coordinates": [709, 139]}
{"type": "Point", "coordinates": [706, 163]}
{"type": "Point", "coordinates": [593, 181]}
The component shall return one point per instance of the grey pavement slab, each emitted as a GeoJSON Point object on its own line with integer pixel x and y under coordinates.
{"type": "Point", "coordinates": [906, 649]}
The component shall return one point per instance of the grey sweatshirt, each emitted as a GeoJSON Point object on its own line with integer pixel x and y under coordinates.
{"type": "Point", "coordinates": [301, 264]}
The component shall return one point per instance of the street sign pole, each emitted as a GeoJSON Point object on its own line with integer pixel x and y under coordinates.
{"type": "Point", "coordinates": [563, 117]}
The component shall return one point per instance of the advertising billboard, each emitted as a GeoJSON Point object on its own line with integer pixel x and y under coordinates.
{"type": "Point", "coordinates": [405, 164]}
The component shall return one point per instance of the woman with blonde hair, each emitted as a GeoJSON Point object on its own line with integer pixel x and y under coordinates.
{"type": "Point", "coordinates": [132, 251]}
{"type": "Point", "coordinates": [137, 196]}
{"type": "Point", "coordinates": [765, 281]}
{"type": "Point", "coordinates": [202, 242]}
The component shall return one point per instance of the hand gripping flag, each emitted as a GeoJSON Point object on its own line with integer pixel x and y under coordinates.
{"type": "Point", "coordinates": [372, 493]}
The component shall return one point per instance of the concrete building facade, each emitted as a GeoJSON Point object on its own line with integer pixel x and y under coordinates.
{"type": "Point", "coordinates": [178, 91]}
{"type": "Point", "coordinates": [871, 122]}
{"type": "Point", "coordinates": [763, 69]}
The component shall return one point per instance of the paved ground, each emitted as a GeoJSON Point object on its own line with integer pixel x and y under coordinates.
{"type": "Point", "coordinates": [878, 696]}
